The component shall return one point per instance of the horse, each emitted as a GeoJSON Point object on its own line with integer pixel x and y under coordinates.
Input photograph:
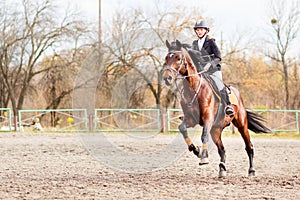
{"type": "Point", "coordinates": [201, 104]}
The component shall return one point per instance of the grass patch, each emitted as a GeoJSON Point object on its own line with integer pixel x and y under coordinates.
{"type": "Point", "coordinates": [276, 135]}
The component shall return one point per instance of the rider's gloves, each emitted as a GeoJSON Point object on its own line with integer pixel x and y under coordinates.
{"type": "Point", "coordinates": [207, 66]}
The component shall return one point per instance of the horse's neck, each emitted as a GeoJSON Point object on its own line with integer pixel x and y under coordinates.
{"type": "Point", "coordinates": [193, 77]}
{"type": "Point", "coordinates": [194, 81]}
{"type": "Point", "coordinates": [192, 73]}
{"type": "Point", "coordinates": [188, 91]}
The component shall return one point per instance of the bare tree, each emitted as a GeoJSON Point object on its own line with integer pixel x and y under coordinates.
{"type": "Point", "coordinates": [138, 43]}
{"type": "Point", "coordinates": [285, 24]}
{"type": "Point", "coordinates": [27, 35]}
{"type": "Point", "coordinates": [57, 84]}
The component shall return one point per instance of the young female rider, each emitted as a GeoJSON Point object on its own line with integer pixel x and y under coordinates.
{"type": "Point", "coordinates": [212, 57]}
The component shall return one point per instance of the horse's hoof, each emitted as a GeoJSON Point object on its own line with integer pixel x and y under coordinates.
{"type": "Point", "coordinates": [197, 151]}
{"type": "Point", "coordinates": [222, 170]}
{"type": "Point", "coordinates": [222, 174]}
{"type": "Point", "coordinates": [203, 161]}
{"type": "Point", "coordinates": [251, 172]}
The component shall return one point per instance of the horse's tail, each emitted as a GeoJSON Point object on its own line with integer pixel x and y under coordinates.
{"type": "Point", "coordinates": [255, 123]}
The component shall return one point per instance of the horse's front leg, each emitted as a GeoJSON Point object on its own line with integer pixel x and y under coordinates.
{"type": "Point", "coordinates": [183, 129]}
{"type": "Point", "coordinates": [204, 138]}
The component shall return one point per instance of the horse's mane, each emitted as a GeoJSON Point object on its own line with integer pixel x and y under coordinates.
{"type": "Point", "coordinates": [176, 45]}
{"type": "Point", "coordinates": [195, 55]}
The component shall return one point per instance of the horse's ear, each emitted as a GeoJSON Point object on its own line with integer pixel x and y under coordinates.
{"type": "Point", "coordinates": [168, 44]}
{"type": "Point", "coordinates": [178, 44]}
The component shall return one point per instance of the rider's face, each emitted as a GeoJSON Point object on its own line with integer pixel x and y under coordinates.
{"type": "Point", "coordinates": [200, 32]}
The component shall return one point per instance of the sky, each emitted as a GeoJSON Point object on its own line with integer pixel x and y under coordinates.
{"type": "Point", "coordinates": [228, 15]}
{"type": "Point", "coordinates": [231, 17]}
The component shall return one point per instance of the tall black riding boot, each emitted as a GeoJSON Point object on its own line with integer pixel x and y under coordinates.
{"type": "Point", "coordinates": [228, 108]}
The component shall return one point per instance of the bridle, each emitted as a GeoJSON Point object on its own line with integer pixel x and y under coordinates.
{"type": "Point", "coordinates": [181, 65]}
{"type": "Point", "coordinates": [180, 76]}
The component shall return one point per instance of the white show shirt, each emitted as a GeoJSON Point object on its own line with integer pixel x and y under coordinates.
{"type": "Point", "coordinates": [201, 42]}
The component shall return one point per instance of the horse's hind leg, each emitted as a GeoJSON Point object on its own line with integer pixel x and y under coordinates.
{"type": "Point", "coordinates": [183, 129]}
{"type": "Point", "coordinates": [216, 137]}
{"type": "Point", "coordinates": [249, 148]}
{"type": "Point", "coordinates": [250, 152]}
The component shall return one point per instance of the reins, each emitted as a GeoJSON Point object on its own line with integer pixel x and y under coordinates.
{"type": "Point", "coordinates": [198, 87]}
{"type": "Point", "coordinates": [180, 76]}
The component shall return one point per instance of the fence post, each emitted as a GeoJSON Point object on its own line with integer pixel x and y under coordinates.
{"type": "Point", "coordinates": [162, 123]}
{"type": "Point", "coordinates": [91, 123]}
{"type": "Point", "coordinates": [16, 123]}
{"type": "Point", "coordinates": [297, 122]}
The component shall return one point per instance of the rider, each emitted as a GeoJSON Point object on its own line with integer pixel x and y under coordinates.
{"type": "Point", "coordinates": [211, 54]}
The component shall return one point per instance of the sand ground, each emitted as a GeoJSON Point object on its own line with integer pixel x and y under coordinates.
{"type": "Point", "coordinates": [65, 166]}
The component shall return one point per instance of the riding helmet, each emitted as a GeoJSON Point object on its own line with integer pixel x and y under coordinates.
{"type": "Point", "coordinates": [201, 24]}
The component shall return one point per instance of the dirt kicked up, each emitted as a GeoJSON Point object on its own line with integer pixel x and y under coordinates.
{"type": "Point", "coordinates": [76, 166]}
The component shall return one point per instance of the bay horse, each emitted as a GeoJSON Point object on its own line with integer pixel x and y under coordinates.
{"type": "Point", "coordinates": [202, 105]}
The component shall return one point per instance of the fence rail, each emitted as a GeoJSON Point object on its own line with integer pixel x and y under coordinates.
{"type": "Point", "coordinates": [132, 120]}
{"type": "Point", "coordinates": [60, 120]}
{"type": "Point", "coordinates": [281, 120]}
{"type": "Point", "coordinates": [276, 120]}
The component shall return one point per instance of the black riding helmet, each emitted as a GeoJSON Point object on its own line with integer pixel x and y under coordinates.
{"type": "Point", "coordinates": [201, 24]}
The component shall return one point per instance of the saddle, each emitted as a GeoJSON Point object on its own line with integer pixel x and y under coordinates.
{"type": "Point", "coordinates": [200, 61]}
{"type": "Point", "coordinates": [232, 96]}
{"type": "Point", "coordinates": [213, 86]}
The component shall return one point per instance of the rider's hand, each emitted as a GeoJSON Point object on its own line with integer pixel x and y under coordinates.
{"type": "Point", "coordinates": [215, 62]}
{"type": "Point", "coordinates": [207, 66]}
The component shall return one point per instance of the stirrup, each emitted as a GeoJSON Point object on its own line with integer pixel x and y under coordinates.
{"type": "Point", "coordinates": [229, 111]}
